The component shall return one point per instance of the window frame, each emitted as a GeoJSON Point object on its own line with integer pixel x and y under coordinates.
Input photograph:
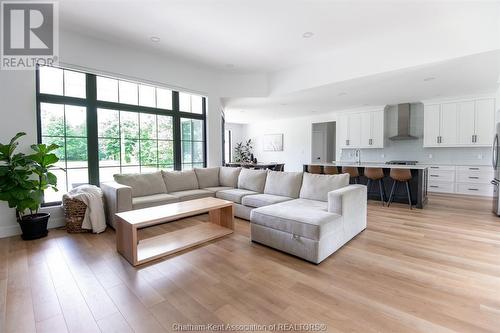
{"type": "Point", "coordinates": [230, 144]}
{"type": "Point", "coordinates": [92, 104]}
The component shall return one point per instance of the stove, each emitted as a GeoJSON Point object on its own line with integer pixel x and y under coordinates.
{"type": "Point", "coordinates": [402, 162]}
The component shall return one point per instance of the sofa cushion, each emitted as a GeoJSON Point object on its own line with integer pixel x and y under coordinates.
{"type": "Point", "coordinates": [283, 183]}
{"type": "Point", "coordinates": [234, 195]}
{"type": "Point", "coordinates": [302, 217]}
{"type": "Point", "coordinates": [142, 184]}
{"type": "Point", "coordinates": [218, 188]}
{"type": "Point", "coordinates": [252, 180]}
{"type": "Point", "coordinates": [316, 187]}
{"type": "Point", "coordinates": [192, 194]}
{"type": "Point", "coordinates": [153, 200]}
{"type": "Point", "coordinates": [228, 176]}
{"type": "Point", "coordinates": [207, 177]}
{"type": "Point", "coordinates": [260, 200]}
{"type": "Point", "coordinates": [176, 181]}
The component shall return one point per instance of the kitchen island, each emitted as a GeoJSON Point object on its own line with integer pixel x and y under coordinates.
{"type": "Point", "coordinates": [418, 183]}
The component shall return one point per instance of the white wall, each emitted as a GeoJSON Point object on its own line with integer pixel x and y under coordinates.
{"type": "Point", "coordinates": [238, 134]}
{"type": "Point", "coordinates": [297, 138]}
{"type": "Point", "coordinates": [17, 93]}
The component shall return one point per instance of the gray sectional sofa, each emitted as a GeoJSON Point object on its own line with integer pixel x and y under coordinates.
{"type": "Point", "coordinates": [307, 215]}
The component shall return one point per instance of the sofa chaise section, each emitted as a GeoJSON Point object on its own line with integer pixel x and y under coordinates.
{"type": "Point", "coordinates": [327, 214]}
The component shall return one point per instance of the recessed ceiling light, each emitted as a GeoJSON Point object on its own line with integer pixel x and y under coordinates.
{"type": "Point", "coordinates": [307, 34]}
{"type": "Point", "coordinates": [430, 78]}
{"type": "Point", "coordinates": [155, 39]}
{"type": "Point", "coordinates": [342, 94]}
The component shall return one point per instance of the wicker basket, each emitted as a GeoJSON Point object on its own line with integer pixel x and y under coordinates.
{"type": "Point", "coordinates": [74, 212]}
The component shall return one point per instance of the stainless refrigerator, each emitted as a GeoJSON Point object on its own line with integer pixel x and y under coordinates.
{"type": "Point", "coordinates": [496, 168]}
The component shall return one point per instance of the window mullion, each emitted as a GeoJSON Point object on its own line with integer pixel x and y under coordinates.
{"type": "Point", "coordinates": [92, 131]}
{"type": "Point", "coordinates": [204, 112]}
{"type": "Point", "coordinates": [177, 132]}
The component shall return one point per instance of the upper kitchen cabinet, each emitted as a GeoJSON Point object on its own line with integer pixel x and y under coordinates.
{"type": "Point", "coordinates": [361, 129]}
{"type": "Point", "coordinates": [372, 129]}
{"type": "Point", "coordinates": [343, 130]}
{"type": "Point", "coordinates": [448, 130]}
{"type": "Point", "coordinates": [463, 123]}
{"type": "Point", "coordinates": [432, 120]}
{"type": "Point", "coordinates": [349, 130]}
{"type": "Point", "coordinates": [484, 121]}
{"type": "Point", "coordinates": [466, 119]}
{"type": "Point", "coordinates": [354, 128]}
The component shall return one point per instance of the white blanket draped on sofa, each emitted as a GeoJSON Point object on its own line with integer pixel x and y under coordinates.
{"type": "Point", "coordinates": [94, 215]}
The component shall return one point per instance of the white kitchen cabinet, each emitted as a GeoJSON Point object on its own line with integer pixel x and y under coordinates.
{"type": "Point", "coordinates": [354, 130]}
{"type": "Point", "coordinates": [467, 180]}
{"type": "Point", "coordinates": [484, 121]}
{"type": "Point", "coordinates": [377, 129]}
{"type": "Point", "coordinates": [366, 129]}
{"type": "Point", "coordinates": [466, 119]}
{"type": "Point", "coordinates": [343, 130]}
{"type": "Point", "coordinates": [361, 129]}
{"type": "Point", "coordinates": [441, 187]}
{"type": "Point", "coordinates": [448, 129]}
{"type": "Point", "coordinates": [485, 190]}
{"type": "Point", "coordinates": [372, 129]}
{"type": "Point", "coordinates": [432, 119]}
{"type": "Point", "coordinates": [441, 178]}
{"type": "Point", "coordinates": [463, 123]}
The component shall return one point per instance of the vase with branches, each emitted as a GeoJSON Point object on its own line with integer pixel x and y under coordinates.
{"type": "Point", "coordinates": [243, 152]}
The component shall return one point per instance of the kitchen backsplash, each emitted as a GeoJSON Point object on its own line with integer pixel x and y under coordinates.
{"type": "Point", "coordinates": [413, 149]}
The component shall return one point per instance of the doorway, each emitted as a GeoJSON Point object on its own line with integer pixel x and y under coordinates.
{"type": "Point", "coordinates": [323, 144]}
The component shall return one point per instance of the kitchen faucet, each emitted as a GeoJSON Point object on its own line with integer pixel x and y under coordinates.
{"type": "Point", "coordinates": [357, 154]}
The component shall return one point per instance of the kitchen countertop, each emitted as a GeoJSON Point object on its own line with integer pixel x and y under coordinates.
{"type": "Point", "coordinates": [375, 165]}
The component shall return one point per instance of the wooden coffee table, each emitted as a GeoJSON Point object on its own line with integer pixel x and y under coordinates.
{"type": "Point", "coordinates": [221, 223]}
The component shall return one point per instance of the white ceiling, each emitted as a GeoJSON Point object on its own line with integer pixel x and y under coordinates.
{"type": "Point", "coordinates": [266, 35]}
{"type": "Point", "coordinates": [475, 74]}
{"type": "Point", "coordinates": [377, 52]}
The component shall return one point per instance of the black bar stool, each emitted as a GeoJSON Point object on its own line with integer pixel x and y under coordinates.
{"type": "Point", "coordinates": [353, 173]}
{"type": "Point", "coordinates": [376, 174]}
{"type": "Point", "coordinates": [400, 176]}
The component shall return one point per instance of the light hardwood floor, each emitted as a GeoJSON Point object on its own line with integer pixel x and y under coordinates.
{"type": "Point", "coordinates": [431, 270]}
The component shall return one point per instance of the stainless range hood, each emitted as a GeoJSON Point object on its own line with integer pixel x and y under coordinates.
{"type": "Point", "coordinates": [403, 124]}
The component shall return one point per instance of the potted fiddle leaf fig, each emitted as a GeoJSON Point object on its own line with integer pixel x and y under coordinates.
{"type": "Point", "coordinates": [23, 180]}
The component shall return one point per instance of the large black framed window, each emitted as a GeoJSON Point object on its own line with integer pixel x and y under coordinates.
{"type": "Point", "coordinates": [107, 125]}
